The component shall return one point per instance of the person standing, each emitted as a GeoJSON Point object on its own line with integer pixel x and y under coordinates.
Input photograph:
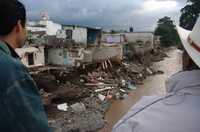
{"type": "Point", "coordinates": [21, 108]}
{"type": "Point", "coordinates": [178, 110]}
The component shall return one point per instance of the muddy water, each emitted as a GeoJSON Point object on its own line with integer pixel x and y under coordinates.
{"type": "Point", "coordinates": [152, 85]}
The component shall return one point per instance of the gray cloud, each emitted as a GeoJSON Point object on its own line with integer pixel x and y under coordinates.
{"type": "Point", "coordinates": [103, 13]}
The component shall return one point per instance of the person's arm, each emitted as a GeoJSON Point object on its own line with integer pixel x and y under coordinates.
{"type": "Point", "coordinates": [24, 107]}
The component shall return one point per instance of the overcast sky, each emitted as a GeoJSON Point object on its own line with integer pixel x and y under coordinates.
{"type": "Point", "coordinates": [120, 14]}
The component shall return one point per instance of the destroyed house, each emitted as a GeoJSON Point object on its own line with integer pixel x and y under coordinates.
{"type": "Point", "coordinates": [110, 48]}
{"type": "Point", "coordinates": [32, 56]}
{"type": "Point", "coordinates": [60, 51]}
{"type": "Point", "coordinates": [57, 49]}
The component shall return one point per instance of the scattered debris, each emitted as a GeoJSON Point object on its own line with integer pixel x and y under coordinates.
{"type": "Point", "coordinates": [77, 98]}
{"type": "Point", "coordinates": [86, 121]}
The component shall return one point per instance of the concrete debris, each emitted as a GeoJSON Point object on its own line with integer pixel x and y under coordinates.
{"type": "Point", "coordinates": [123, 83]}
{"type": "Point", "coordinates": [122, 90]}
{"type": "Point", "coordinates": [117, 95]}
{"type": "Point", "coordinates": [104, 89]}
{"type": "Point", "coordinates": [125, 96]}
{"type": "Point", "coordinates": [63, 107]}
{"type": "Point", "coordinates": [101, 97]}
{"type": "Point", "coordinates": [78, 107]}
{"type": "Point", "coordinates": [149, 71]}
{"type": "Point", "coordinates": [131, 86]}
{"type": "Point", "coordinates": [86, 121]}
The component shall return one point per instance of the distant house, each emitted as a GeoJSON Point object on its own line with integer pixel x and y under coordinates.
{"type": "Point", "coordinates": [63, 56]}
{"type": "Point", "coordinates": [82, 34]}
{"type": "Point", "coordinates": [32, 56]}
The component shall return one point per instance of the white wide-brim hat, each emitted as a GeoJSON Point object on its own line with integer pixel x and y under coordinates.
{"type": "Point", "coordinates": [191, 41]}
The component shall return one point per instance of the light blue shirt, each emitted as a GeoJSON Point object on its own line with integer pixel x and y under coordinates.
{"type": "Point", "coordinates": [178, 111]}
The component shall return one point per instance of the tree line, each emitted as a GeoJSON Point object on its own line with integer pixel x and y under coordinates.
{"type": "Point", "coordinates": [166, 28]}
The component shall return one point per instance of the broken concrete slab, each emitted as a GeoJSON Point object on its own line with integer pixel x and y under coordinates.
{"type": "Point", "coordinates": [78, 107]}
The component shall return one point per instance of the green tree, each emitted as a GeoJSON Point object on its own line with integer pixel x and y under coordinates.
{"type": "Point", "coordinates": [190, 13]}
{"type": "Point", "coordinates": [167, 32]}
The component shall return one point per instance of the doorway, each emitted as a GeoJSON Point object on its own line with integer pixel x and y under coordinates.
{"type": "Point", "coordinates": [30, 59]}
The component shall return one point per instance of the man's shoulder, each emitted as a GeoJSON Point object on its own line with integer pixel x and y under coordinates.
{"type": "Point", "coordinates": [11, 68]}
{"type": "Point", "coordinates": [9, 62]}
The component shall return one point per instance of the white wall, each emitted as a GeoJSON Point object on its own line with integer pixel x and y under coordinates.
{"type": "Point", "coordinates": [79, 34]}
{"type": "Point", "coordinates": [133, 37]}
{"type": "Point", "coordinates": [114, 53]}
{"type": "Point", "coordinates": [39, 56]}
{"type": "Point", "coordinates": [55, 56]}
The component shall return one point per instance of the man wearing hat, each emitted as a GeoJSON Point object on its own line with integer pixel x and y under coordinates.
{"type": "Point", "coordinates": [179, 110]}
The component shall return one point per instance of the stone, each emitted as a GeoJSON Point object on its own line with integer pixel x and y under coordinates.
{"type": "Point", "coordinates": [78, 107]}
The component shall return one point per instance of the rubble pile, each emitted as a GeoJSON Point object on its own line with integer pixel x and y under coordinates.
{"type": "Point", "coordinates": [77, 99]}
{"type": "Point", "coordinates": [77, 77]}
{"type": "Point", "coordinates": [79, 102]}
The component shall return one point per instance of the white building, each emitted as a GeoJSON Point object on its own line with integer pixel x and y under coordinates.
{"type": "Point", "coordinates": [31, 56]}
{"type": "Point", "coordinates": [48, 26]}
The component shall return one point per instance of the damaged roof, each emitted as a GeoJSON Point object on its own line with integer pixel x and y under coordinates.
{"type": "Point", "coordinates": [22, 51]}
